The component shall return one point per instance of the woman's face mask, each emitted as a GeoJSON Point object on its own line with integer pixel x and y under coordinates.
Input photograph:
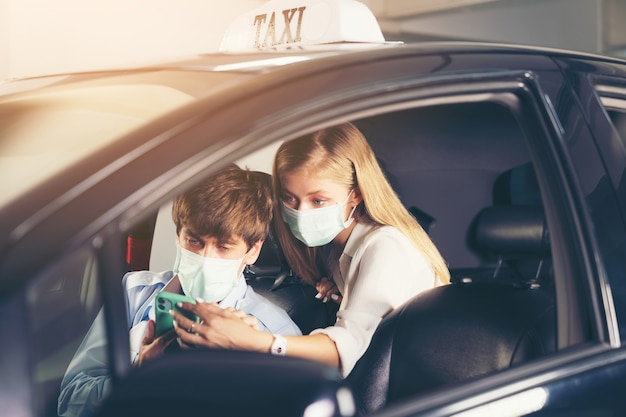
{"type": "Point", "coordinates": [317, 227]}
{"type": "Point", "coordinates": [210, 279]}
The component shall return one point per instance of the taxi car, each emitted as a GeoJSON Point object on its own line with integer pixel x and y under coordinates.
{"type": "Point", "coordinates": [511, 157]}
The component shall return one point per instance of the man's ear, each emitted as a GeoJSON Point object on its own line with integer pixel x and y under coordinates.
{"type": "Point", "coordinates": [254, 252]}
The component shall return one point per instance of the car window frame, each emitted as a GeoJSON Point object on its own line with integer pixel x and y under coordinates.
{"type": "Point", "coordinates": [585, 78]}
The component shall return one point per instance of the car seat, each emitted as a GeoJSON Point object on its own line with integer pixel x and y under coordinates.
{"type": "Point", "coordinates": [513, 243]}
{"type": "Point", "coordinates": [466, 329]}
{"type": "Point", "coordinates": [517, 212]}
{"type": "Point", "coordinates": [231, 383]}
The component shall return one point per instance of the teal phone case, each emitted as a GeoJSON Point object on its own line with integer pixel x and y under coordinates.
{"type": "Point", "coordinates": [166, 301]}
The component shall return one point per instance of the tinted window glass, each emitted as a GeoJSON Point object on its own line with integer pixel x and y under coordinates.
{"type": "Point", "coordinates": [608, 215]}
{"type": "Point", "coordinates": [618, 117]}
{"type": "Point", "coordinates": [62, 305]}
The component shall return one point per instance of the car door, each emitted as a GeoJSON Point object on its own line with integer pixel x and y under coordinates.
{"type": "Point", "coordinates": [585, 156]}
{"type": "Point", "coordinates": [590, 385]}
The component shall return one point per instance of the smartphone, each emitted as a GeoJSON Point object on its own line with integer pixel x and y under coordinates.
{"type": "Point", "coordinates": [166, 301]}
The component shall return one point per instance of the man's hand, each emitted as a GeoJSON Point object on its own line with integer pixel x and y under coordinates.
{"type": "Point", "coordinates": [152, 347]}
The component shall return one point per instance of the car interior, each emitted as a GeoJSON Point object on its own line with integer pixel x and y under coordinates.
{"type": "Point", "coordinates": [472, 186]}
{"type": "Point", "coordinates": [500, 309]}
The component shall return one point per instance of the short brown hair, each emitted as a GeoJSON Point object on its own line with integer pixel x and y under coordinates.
{"type": "Point", "coordinates": [232, 202]}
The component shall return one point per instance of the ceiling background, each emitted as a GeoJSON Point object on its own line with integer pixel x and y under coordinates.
{"type": "Point", "coordinates": [596, 26]}
{"type": "Point", "coordinates": [41, 36]}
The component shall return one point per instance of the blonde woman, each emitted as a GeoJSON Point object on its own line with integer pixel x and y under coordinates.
{"type": "Point", "coordinates": [345, 231]}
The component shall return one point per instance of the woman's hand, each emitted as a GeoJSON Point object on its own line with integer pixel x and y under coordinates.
{"type": "Point", "coordinates": [231, 329]}
{"type": "Point", "coordinates": [249, 320]}
{"type": "Point", "coordinates": [327, 290]}
{"type": "Point", "coordinates": [219, 328]}
{"type": "Point", "coordinates": [152, 347]}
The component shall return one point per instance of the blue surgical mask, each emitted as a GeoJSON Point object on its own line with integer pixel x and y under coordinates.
{"type": "Point", "coordinates": [210, 279]}
{"type": "Point", "coordinates": [317, 227]}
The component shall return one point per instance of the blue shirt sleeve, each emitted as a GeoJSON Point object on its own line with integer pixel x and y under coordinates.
{"type": "Point", "coordinates": [271, 318]}
{"type": "Point", "coordinates": [86, 380]}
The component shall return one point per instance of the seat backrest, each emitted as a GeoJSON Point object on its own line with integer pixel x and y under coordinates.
{"type": "Point", "coordinates": [459, 331]}
{"type": "Point", "coordinates": [163, 251]}
{"type": "Point", "coordinates": [231, 383]}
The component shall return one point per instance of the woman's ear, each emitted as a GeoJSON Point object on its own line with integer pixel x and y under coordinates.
{"type": "Point", "coordinates": [254, 252]}
{"type": "Point", "coordinates": [356, 197]}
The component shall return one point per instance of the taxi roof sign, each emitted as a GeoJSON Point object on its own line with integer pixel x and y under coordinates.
{"type": "Point", "coordinates": [289, 23]}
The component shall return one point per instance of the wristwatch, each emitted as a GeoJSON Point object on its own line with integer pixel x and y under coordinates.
{"type": "Point", "coordinates": [279, 345]}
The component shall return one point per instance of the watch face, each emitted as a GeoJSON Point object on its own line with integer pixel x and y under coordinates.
{"type": "Point", "coordinates": [279, 346]}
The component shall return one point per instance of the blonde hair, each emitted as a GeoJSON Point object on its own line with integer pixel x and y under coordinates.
{"type": "Point", "coordinates": [342, 154]}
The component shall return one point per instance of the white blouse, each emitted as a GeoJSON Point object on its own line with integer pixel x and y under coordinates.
{"type": "Point", "coordinates": [379, 270]}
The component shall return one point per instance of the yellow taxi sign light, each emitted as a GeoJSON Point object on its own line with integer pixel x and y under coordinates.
{"type": "Point", "coordinates": [290, 23]}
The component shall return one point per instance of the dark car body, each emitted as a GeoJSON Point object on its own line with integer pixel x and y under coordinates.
{"type": "Point", "coordinates": [450, 122]}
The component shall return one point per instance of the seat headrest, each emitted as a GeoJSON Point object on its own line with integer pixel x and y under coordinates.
{"type": "Point", "coordinates": [512, 231]}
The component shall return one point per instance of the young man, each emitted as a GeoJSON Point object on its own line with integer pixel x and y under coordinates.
{"type": "Point", "coordinates": [220, 228]}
